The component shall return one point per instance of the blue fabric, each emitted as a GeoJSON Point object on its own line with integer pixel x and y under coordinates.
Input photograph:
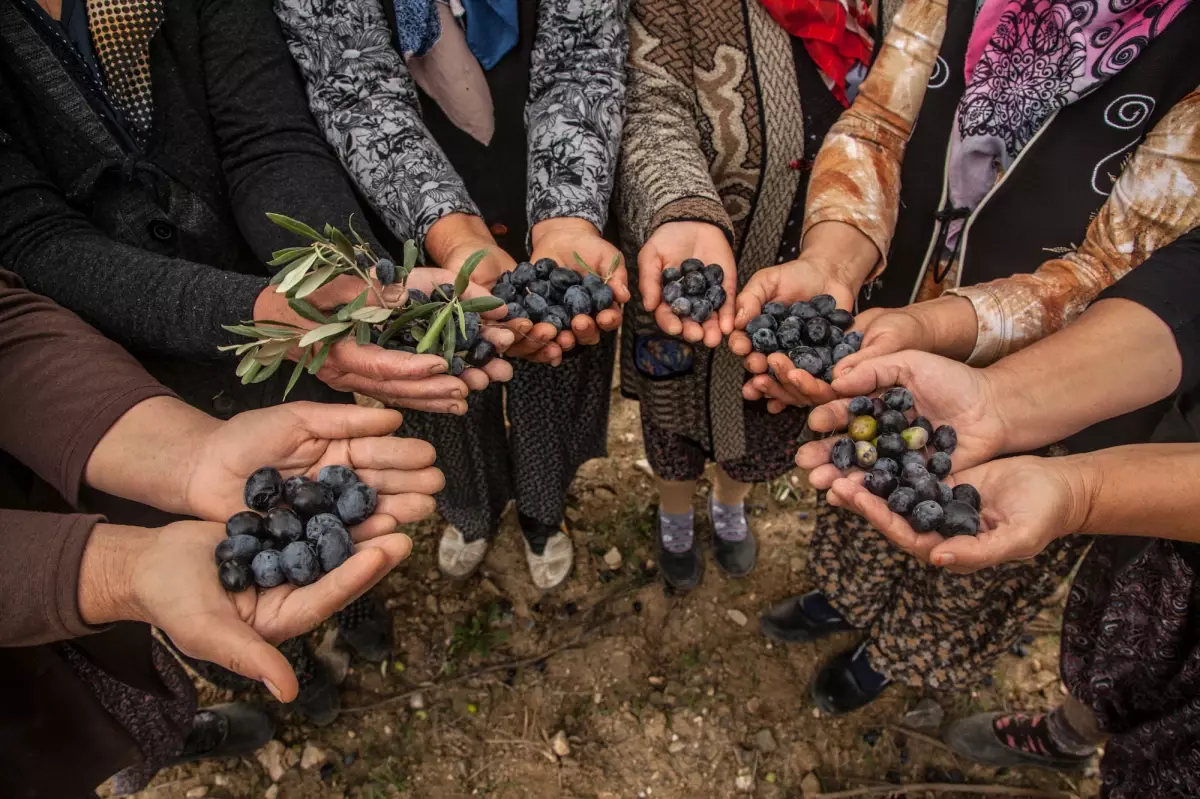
{"type": "Point", "coordinates": [491, 29]}
{"type": "Point", "coordinates": [418, 26]}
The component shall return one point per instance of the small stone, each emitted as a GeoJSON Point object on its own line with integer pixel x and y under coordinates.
{"type": "Point", "coordinates": [197, 792]}
{"type": "Point", "coordinates": [927, 715]}
{"type": "Point", "coordinates": [810, 785]}
{"type": "Point", "coordinates": [737, 617]}
{"type": "Point", "coordinates": [658, 680]}
{"type": "Point", "coordinates": [676, 747]}
{"type": "Point", "coordinates": [613, 559]}
{"type": "Point", "coordinates": [221, 781]}
{"type": "Point", "coordinates": [753, 704]}
{"type": "Point", "coordinates": [416, 702]}
{"type": "Point", "coordinates": [271, 758]}
{"type": "Point", "coordinates": [311, 757]}
{"type": "Point", "coordinates": [272, 792]}
{"type": "Point", "coordinates": [559, 744]}
{"type": "Point", "coordinates": [764, 741]}
{"type": "Point", "coordinates": [744, 782]}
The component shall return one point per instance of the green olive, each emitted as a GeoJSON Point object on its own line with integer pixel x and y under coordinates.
{"type": "Point", "coordinates": [915, 437]}
{"type": "Point", "coordinates": [863, 428]}
{"type": "Point", "coordinates": [865, 454]}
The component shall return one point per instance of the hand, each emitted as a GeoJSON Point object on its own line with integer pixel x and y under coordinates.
{"type": "Point", "coordinates": [302, 437]}
{"type": "Point", "coordinates": [168, 578]}
{"type": "Point", "coordinates": [945, 392]}
{"type": "Point", "coordinates": [670, 245]}
{"type": "Point", "coordinates": [945, 326]}
{"type": "Point", "coordinates": [802, 279]}
{"type": "Point", "coordinates": [1027, 503]}
{"type": "Point", "coordinates": [562, 239]}
{"type": "Point", "coordinates": [419, 382]}
{"type": "Point", "coordinates": [451, 241]}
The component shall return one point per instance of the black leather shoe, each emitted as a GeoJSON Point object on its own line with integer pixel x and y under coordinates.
{"type": "Point", "coordinates": [835, 689]}
{"type": "Point", "coordinates": [736, 558]}
{"type": "Point", "coordinates": [365, 625]}
{"type": "Point", "coordinates": [787, 623]}
{"type": "Point", "coordinates": [318, 700]}
{"type": "Point", "coordinates": [975, 738]}
{"type": "Point", "coordinates": [681, 570]}
{"type": "Point", "coordinates": [229, 730]}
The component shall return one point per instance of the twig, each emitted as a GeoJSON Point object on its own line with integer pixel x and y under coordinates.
{"type": "Point", "coordinates": [947, 787]}
{"type": "Point", "coordinates": [929, 739]}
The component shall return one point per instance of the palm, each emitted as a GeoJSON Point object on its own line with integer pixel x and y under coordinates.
{"type": "Point", "coordinates": [600, 256]}
{"type": "Point", "coordinates": [670, 245]}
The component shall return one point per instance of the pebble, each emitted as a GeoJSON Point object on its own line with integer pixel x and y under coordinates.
{"type": "Point", "coordinates": [416, 702]}
{"type": "Point", "coordinates": [312, 756]}
{"type": "Point", "coordinates": [753, 704]}
{"type": "Point", "coordinates": [810, 785]}
{"type": "Point", "coordinates": [271, 759]}
{"type": "Point", "coordinates": [676, 747]}
{"type": "Point", "coordinates": [613, 559]}
{"type": "Point", "coordinates": [927, 715]}
{"type": "Point", "coordinates": [559, 744]}
{"type": "Point", "coordinates": [658, 680]}
{"type": "Point", "coordinates": [221, 781]}
{"type": "Point", "coordinates": [272, 792]}
{"type": "Point", "coordinates": [737, 617]}
{"type": "Point", "coordinates": [744, 782]}
{"type": "Point", "coordinates": [764, 741]}
{"type": "Point", "coordinates": [197, 792]}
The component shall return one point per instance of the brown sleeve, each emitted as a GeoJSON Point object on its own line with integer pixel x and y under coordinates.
{"type": "Point", "coordinates": [856, 175]}
{"type": "Point", "coordinates": [62, 386]}
{"type": "Point", "coordinates": [39, 576]}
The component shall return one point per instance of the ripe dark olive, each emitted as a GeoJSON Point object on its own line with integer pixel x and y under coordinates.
{"type": "Point", "coordinates": [902, 500]}
{"type": "Point", "coordinates": [959, 519]}
{"type": "Point", "coordinates": [967, 493]}
{"type": "Point", "coordinates": [842, 455]}
{"type": "Point", "coordinates": [879, 482]}
{"type": "Point", "coordinates": [861, 406]}
{"type": "Point", "coordinates": [926, 516]}
{"type": "Point", "coordinates": [246, 522]}
{"type": "Point", "coordinates": [235, 575]}
{"type": "Point", "coordinates": [940, 464]}
{"type": "Point", "coordinates": [338, 478]}
{"type": "Point", "coordinates": [311, 499]}
{"type": "Point", "coordinates": [945, 439]}
{"type": "Point", "coordinates": [264, 489]}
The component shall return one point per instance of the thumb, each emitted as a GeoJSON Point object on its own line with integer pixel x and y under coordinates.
{"type": "Point", "coordinates": [874, 367]}
{"type": "Point", "coordinates": [755, 295]}
{"type": "Point", "coordinates": [231, 643]}
{"type": "Point", "coordinates": [336, 422]}
{"type": "Point", "coordinates": [650, 266]}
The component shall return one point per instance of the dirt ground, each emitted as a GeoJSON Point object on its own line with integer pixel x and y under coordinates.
{"type": "Point", "coordinates": [612, 688]}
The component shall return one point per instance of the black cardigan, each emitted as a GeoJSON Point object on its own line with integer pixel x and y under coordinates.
{"type": "Point", "coordinates": [159, 247]}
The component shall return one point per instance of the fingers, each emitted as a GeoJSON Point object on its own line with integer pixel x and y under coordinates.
{"type": "Point", "coordinates": [668, 322]}
{"type": "Point", "coordinates": [407, 508]}
{"type": "Point", "coordinates": [229, 642]}
{"type": "Point", "coordinates": [585, 330]}
{"type": "Point", "coordinates": [501, 337]}
{"type": "Point", "coordinates": [443, 387]}
{"type": "Point", "coordinates": [815, 453]}
{"type": "Point", "coordinates": [967, 553]}
{"type": "Point", "coordinates": [650, 266]}
{"type": "Point", "coordinates": [739, 342]}
{"type": "Point", "coordinates": [692, 331]}
{"type": "Point", "coordinates": [756, 362]}
{"type": "Point", "coordinates": [337, 422]}
{"type": "Point", "coordinates": [376, 363]}
{"type": "Point", "coordinates": [870, 374]}
{"type": "Point", "coordinates": [824, 476]}
{"type": "Point", "coordinates": [429, 480]}
{"type": "Point", "coordinates": [728, 312]}
{"type": "Point", "coordinates": [830, 417]}
{"type": "Point", "coordinates": [609, 319]}
{"type": "Point", "coordinates": [892, 525]}
{"type": "Point", "coordinates": [566, 340]}
{"type": "Point", "coordinates": [755, 295]}
{"type": "Point", "coordinates": [498, 370]}
{"type": "Point", "coordinates": [712, 333]}
{"type": "Point", "coordinates": [476, 379]}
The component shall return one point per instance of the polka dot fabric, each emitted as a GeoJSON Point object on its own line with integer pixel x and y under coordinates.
{"type": "Point", "coordinates": [121, 34]}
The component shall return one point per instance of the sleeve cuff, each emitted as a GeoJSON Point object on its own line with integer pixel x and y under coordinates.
{"type": "Point", "coordinates": [993, 329]}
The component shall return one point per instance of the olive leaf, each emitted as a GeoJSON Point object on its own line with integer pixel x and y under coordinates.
{"type": "Point", "coordinates": [468, 267]}
{"type": "Point", "coordinates": [248, 375]}
{"type": "Point", "coordinates": [582, 263]}
{"type": "Point", "coordinates": [362, 333]}
{"type": "Point", "coordinates": [449, 337]}
{"type": "Point", "coordinates": [323, 332]}
{"type": "Point", "coordinates": [296, 373]}
{"type": "Point", "coordinates": [373, 315]}
{"type": "Point", "coordinates": [481, 304]}
{"type": "Point", "coordinates": [296, 273]}
{"type": "Point", "coordinates": [616, 261]}
{"type": "Point", "coordinates": [307, 310]}
{"type": "Point", "coordinates": [355, 304]}
{"type": "Point", "coordinates": [342, 244]}
{"type": "Point", "coordinates": [287, 255]}
{"type": "Point", "coordinates": [271, 350]}
{"type": "Point", "coordinates": [410, 255]}
{"type": "Point", "coordinates": [431, 336]}
{"type": "Point", "coordinates": [269, 369]}
{"type": "Point", "coordinates": [462, 319]}
{"type": "Point", "coordinates": [295, 226]}
{"type": "Point", "coordinates": [319, 360]}
{"type": "Point", "coordinates": [353, 232]}
{"type": "Point", "coordinates": [316, 280]}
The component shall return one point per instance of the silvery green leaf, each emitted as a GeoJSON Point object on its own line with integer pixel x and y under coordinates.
{"type": "Point", "coordinates": [372, 316]}
{"type": "Point", "coordinates": [362, 333]}
{"type": "Point", "coordinates": [616, 261]}
{"type": "Point", "coordinates": [481, 304]}
{"type": "Point", "coordinates": [354, 305]}
{"type": "Point", "coordinates": [462, 320]}
{"type": "Point", "coordinates": [464, 273]}
{"type": "Point", "coordinates": [271, 368]}
{"type": "Point", "coordinates": [353, 232]}
{"type": "Point", "coordinates": [295, 226]}
{"type": "Point", "coordinates": [410, 255]}
{"type": "Point", "coordinates": [319, 360]}
{"type": "Point", "coordinates": [343, 244]}
{"type": "Point", "coordinates": [316, 280]}
{"type": "Point", "coordinates": [296, 373]}
{"type": "Point", "coordinates": [435, 329]}
{"type": "Point", "coordinates": [323, 332]}
{"type": "Point", "coordinates": [296, 273]}
{"type": "Point", "coordinates": [271, 349]}
{"type": "Point", "coordinates": [582, 263]}
{"type": "Point", "coordinates": [287, 255]}
{"type": "Point", "coordinates": [248, 362]}
{"type": "Point", "coordinates": [307, 310]}
{"type": "Point", "coordinates": [449, 339]}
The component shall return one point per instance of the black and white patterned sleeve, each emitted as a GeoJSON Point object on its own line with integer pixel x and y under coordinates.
{"type": "Point", "coordinates": [365, 101]}
{"type": "Point", "coordinates": [574, 114]}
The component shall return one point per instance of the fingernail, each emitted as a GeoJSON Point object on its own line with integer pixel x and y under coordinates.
{"type": "Point", "coordinates": [438, 368]}
{"type": "Point", "coordinates": [274, 690]}
{"type": "Point", "coordinates": [946, 560]}
{"type": "Point", "coordinates": [393, 293]}
{"type": "Point", "coordinates": [457, 393]}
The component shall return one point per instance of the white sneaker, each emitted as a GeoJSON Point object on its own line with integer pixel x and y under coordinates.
{"type": "Point", "coordinates": [458, 558]}
{"type": "Point", "coordinates": [551, 568]}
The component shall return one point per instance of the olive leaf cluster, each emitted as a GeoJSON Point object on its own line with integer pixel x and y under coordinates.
{"type": "Point", "coordinates": [438, 325]}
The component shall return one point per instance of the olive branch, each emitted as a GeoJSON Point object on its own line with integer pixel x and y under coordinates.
{"type": "Point", "coordinates": [331, 254]}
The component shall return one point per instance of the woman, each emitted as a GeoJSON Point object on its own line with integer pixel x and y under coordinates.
{"type": "Point", "coordinates": [90, 692]}
{"type": "Point", "coordinates": [872, 179]}
{"type": "Point", "coordinates": [136, 193]}
{"type": "Point", "coordinates": [1130, 658]}
{"type": "Point", "coordinates": [728, 105]}
{"type": "Point", "coordinates": [495, 131]}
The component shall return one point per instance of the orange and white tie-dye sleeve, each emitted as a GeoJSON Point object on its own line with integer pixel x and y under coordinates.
{"type": "Point", "coordinates": [1155, 200]}
{"type": "Point", "coordinates": [856, 175]}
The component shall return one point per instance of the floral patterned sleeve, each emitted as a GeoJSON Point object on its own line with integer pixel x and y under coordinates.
{"type": "Point", "coordinates": [856, 175]}
{"type": "Point", "coordinates": [574, 113]}
{"type": "Point", "coordinates": [1155, 200]}
{"type": "Point", "coordinates": [365, 101]}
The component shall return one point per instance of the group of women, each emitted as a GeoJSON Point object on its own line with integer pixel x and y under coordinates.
{"type": "Point", "coordinates": [968, 176]}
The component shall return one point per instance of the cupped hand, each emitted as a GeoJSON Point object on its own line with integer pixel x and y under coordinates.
{"type": "Point", "coordinates": [670, 245]}
{"type": "Point", "coordinates": [1027, 502]}
{"type": "Point", "coordinates": [564, 238]}
{"type": "Point", "coordinates": [303, 437]}
{"type": "Point", "coordinates": [944, 391]}
{"type": "Point", "coordinates": [174, 587]}
{"type": "Point", "coordinates": [787, 283]}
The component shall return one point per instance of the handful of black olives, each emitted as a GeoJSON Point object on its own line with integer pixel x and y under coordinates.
{"type": "Point", "coordinates": [882, 440]}
{"type": "Point", "coordinates": [547, 292]}
{"type": "Point", "coordinates": [812, 334]}
{"type": "Point", "coordinates": [295, 530]}
{"type": "Point", "coordinates": [694, 291]}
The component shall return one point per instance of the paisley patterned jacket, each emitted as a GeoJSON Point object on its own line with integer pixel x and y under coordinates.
{"type": "Point", "coordinates": [856, 179]}
{"type": "Point", "coordinates": [366, 102]}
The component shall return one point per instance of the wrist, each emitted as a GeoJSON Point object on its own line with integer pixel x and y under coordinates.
{"type": "Point", "coordinates": [561, 224]}
{"type": "Point", "coordinates": [1083, 476]}
{"type": "Point", "coordinates": [452, 232]}
{"type": "Point", "coordinates": [106, 574]}
{"type": "Point", "coordinates": [949, 326]}
{"type": "Point", "coordinates": [843, 252]}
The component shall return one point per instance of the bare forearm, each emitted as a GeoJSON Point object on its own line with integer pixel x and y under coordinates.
{"type": "Point", "coordinates": [105, 591]}
{"type": "Point", "coordinates": [1142, 490]}
{"type": "Point", "coordinates": [843, 251]}
{"type": "Point", "coordinates": [148, 454]}
{"type": "Point", "coordinates": [1117, 358]}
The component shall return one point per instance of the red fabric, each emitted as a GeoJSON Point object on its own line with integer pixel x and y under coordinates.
{"type": "Point", "coordinates": [834, 44]}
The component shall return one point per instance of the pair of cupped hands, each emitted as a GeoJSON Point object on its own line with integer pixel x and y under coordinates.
{"type": "Point", "coordinates": [167, 577]}
{"type": "Point", "coordinates": [421, 382]}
